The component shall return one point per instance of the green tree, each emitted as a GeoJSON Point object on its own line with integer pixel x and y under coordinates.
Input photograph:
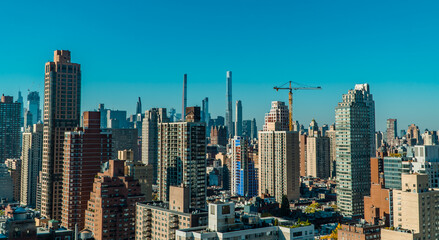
{"type": "Point", "coordinates": [285, 206]}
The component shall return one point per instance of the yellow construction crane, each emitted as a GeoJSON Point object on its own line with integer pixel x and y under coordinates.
{"type": "Point", "coordinates": [290, 98]}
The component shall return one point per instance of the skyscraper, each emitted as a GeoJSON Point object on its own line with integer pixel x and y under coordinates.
{"type": "Point", "coordinates": [205, 115]}
{"type": "Point", "coordinates": [31, 155]}
{"type": "Point", "coordinates": [392, 131]}
{"type": "Point", "coordinates": [184, 102]}
{"type": "Point", "coordinates": [182, 158]}
{"type": "Point", "coordinates": [20, 101]}
{"type": "Point", "coordinates": [238, 120]}
{"type": "Point", "coordinates": [84, 151]}
{"type": "Point", "coordinates": [33, 106]}
{"type": "Point", "coordinates": [139, 107]}
{"type": "Point", "coordinates": [153, 117]}
{"type": "Point", "coordinates": [354, 119]}
{"type": "Point", "coordinates": [62, 101]}
{"type": "Point", "coordinates": [229, 117]}
{"type": "Point", "coordinates": [318, 162]}
{"type": "Point", "coordinates": [9, 128]}
{"type": "Point", "coordinates": [244, 173]}
{"type": "Point", "coordinates": [278, 158]}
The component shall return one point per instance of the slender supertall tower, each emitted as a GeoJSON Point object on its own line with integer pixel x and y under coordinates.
{"type": "Point", "coordinates": [139, 107]}
{"type": "Point", "coordinates": [62, 101]}
{"type": "Point", "coordinates": [229, 122]}
{"type": "Point", "coordinates": [183, 110]}
{"type": "Point", "coordinates": [205, 114]}
{"type": "Point", "coordinates": [238, 118]}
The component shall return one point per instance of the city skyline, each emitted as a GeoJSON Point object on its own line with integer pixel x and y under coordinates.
{"type": "Point", "coordinates": [395, 54]}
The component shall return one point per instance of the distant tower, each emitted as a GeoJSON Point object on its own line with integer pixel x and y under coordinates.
{"type": "Point", "coordinates": [33, 106]}
{"type": "Point", "coordinates": [9, 128]}
{"type": "Point", "coordinates": [205, 114]}
{"type": "Point", "coordinates": [183, 110]}
{"type": "Point", "coordinates": [238, 120]}
{"type": "Point", "coordinates": [20, 100]}
{"type": "Point", "coordinates": [139, 107]}
{"type": "Point", "coordinates": [229, 121]}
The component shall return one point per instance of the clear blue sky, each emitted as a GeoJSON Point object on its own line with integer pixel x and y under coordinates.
{"type": "Point", "coordinates": [142, 48]}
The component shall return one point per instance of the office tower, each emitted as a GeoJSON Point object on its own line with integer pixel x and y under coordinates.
{"type": "Point", "coordinates": [392, 131]}
{"type": "Point", "coordinates": [33, 107]}
{"type": "Point", "coordinates": [379, 140]}
{"type": "Point", "coordinates": [218, 136]}
{"type": "Point", "coordinates": [116, 219]}
{"type": "Point", "coordinates": [229, 114]}
{"type": "Point", "coordinates": [160, 220]}
{"type": "Point", "coordinates": [318, 162]}
{"type": "Point", "coordinates": [205, 115]}
{"type": "Point", "coordinates": [6, 190]}
{"type": "Point", "coordinates": [246, 129]}
{"type": "Point", "coordinates": [413, 135]}
{"type": "Point", "coordinates": [377, 206]}
{"type": "Point", "coordinates": [153, 117]}
{"type": "Point", "coordinates": [184, 100]}
{"type": "Point", "coordinates": [117, 119]}
{"type": "Point", "coordinates": [244, 174]}
{"type": "Point", "coordinates": [173, 115]}
{"type": "Point", "coordinates": [323, 129]}
{"type": "Point", "coordinates": [254, 129]}
{"type": "Point", "coordinates": [14, 168]}
{"type": "Point", "coordinates": [279, 114]}
{"type": "Point", "coordinates": [219, 121]}
{"type": "Point", "coordinates": [415, 210]}
{"type": "Point", "coordinates": [20, 101]}
{"type": "Point", "coordinates": [9, 128]}
{"type": "Point", "coordinates": [62, 101]}
{"type": "Point", "coordinates": [139, 107]}
{"type": "Point", "coordinates": [182, 158]}
{"type": "Point", "coordinates": [302, 149]}
{"type": "Point", "coordinates": [84, 151]}
{"type": "Point", "coordinates": [31, 156]}
{"type": "Point", "coordinates": [238, 119]}
{"type": "Point", "coordinates": [353, 120]}
{"type": "Point", "coordinates": [278, 159]}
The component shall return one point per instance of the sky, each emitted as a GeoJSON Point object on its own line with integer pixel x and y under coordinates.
{"type": "Point", "coordinates": [131, 49]}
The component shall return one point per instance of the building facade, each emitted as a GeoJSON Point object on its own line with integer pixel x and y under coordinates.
{"type": "Point", "coordinates": [85, 150]}
{"type": "Point", "coordinates": [9, 128]}
{"type": "Point", "coordinates": [111, 210]}
{"type": "Point", "coordinates": [355, 128]}
{"type": "Point", "coordinates": [244, 174]}
{"type": "Point", "coordinates": [62, 103]}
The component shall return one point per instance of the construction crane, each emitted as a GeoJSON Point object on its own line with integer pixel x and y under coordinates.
{"type": "Point", "coordinates": [290, 98]}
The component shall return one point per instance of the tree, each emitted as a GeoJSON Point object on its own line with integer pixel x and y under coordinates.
{"type": "Point", "coordinates": [285, 206]}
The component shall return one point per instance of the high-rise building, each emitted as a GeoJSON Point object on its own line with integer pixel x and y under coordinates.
{"type": "Point", "coordinates": [302, 148]}
{"type": "Point", "coordinates": [244, 177]}
{"type": "Point", "coordinates": [103, 111]}
{"type": "Point", "coordinates": [278, 157]}
{"type": "Point", "coordinates": [160, 220]}
{"type": "Point", "coordinates": [182, 158]}
{"type": "Point", "coordinates": [117, 119]}
{"type": "Point", "coordinates": [279, 114]}
{"type": "Point", "coordinates": [31, 156]}
{"type": "Point", "coordinates": [139, 107]}
{"type": "Point", "coordinates": [218, 135]}
{"type": "Point", "coordinates": [153, 117]}
{"type": "Point", "coordinates": [392, 130]}
{"type": "Point", "coordinates": [254, 129]}
{"type": "Point", "coordinates": [62, 103]}
{"type": "Point", "coordinates": [9, 128]}
{"type": "Point", "coordinates": [238, 119]}
{"type": "Point", "coordinates": [33, 107]}
{"type": "Point", "coordinates": [332, 148]}
{"type": "Point", "coordinates": [14, 168]}
{"type": "Point", "coordinates": [116, 218]}
{"type": "Point", "coordinates": [205, 115]}
{"type": "Point", "coordinates": [318, 162]}
{"type": "Point", "coordinates": [413, 135]}
{"type": "Point", "coordinates": [20, 101]}
{"type": "Point", "coordinates": [184, 102]}
{"type": "Point", "coordinates": [354, 117]}
{"type": "Point", "coordinates": [140, 172]}
{"type": "Point", "coordinates": [125, 139]}
{"type": "Point", "coordinates": [6, 191]}
{"type": "Point", "coordinates": [85, 150]}
{"type": "Point", "coordinates": [229, 112]}
{"type": "Point", "coordinates": [415, 210]}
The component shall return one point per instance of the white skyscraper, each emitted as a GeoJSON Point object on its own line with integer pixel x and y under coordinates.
{"type": "Point", "coordinates": [355, 128]}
